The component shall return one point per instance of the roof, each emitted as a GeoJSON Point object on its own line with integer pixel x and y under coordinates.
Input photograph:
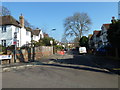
{"type": "Point", "coordinates": [45, 35]}
{"type": "Point", "coordinates": [106, 26]}
{"type": "Point", "coordinates": [36, 32]}
{"type": "Point", "coordinates": [28, 29]}
{"type": "Point", "coordinates": [96, 32]}
{"type": "Point", "coordinates": [9, 20]}
{"type": "Point", "coordinates": [90, 35]}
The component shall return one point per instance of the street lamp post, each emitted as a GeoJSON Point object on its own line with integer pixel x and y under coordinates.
{"type": "Point", "coordinates": [32, 49]}
{"type": "Point", "coordinates": [52, 41]}
{"type": "Point", "coordinates": [52, 44]}
{"type": "Point", "coordinates": [53, 29]}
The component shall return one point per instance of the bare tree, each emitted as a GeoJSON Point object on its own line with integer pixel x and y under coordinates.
{"type": "Point", "coordinates": [76, 41]}
{"type": "Point", "coordinates": [64, 39]}
{"type": "Point", "coordinates": [27, 24]}
{"type": "Point", "coordinates": [78, 23]}
{"type": "Point", "coordinates": [4, 11]}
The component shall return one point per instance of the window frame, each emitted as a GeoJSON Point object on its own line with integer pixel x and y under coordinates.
{"type": "Point", "coordinates": [4, 29]}
{"type": "Point", "coordinates": [3, 42]}
{"type": "Point", "coordinates": [27, 33]}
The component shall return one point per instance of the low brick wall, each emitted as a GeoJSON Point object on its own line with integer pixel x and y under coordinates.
{"type": "Point", "coordinates": [42, 51]}
{"type": "Point", "coordinates": [28, 54]}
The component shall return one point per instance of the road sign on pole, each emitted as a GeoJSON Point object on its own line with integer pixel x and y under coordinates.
{"type": "Point", "coordinates": [15, 43]}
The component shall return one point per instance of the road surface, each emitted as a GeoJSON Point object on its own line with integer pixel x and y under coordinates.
{"type": "Point", "coordinates": [68, 71]}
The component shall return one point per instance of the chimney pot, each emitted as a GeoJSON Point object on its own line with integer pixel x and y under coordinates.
{"type": "Point", "coordinates": [113, 18]}
{"type": "Point", "coordinates": [21, 19]}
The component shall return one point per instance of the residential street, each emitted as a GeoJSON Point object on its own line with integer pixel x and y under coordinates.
{"type": "Point", "coordinates": [60, 44]}
{"type": "Point", "coordinates": [67, 71]}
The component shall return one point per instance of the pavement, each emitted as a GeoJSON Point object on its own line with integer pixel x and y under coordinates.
{"type": "Point", "coordinates": [113, 65]}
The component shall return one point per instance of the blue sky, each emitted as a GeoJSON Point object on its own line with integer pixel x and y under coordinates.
{"type": "Point", "coordinates": [48, 15]}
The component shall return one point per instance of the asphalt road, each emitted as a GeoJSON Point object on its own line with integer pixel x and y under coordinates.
{"type": "Point", "coordinates": [68, 71]}
{"type": "Point", "coordinates": [57, 77]}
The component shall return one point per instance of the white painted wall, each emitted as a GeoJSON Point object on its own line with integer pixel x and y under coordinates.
{"type": "Point", "coordinates": [22, 38]}
{"type": "Point", "coordinates": [16, 29]}
{"type": "Point", "coordinates": [41, 33]}
{"type": "Point", "coordinates": [9, 34]}
{"type": "Point", "coordinates": [25, 37]}
{"type": "Point", "coordinates": [28, 37]}
{"type": "Point", "coordinates": [6, 35]}
{"type": "Point", "coordinates": [37, 38]}
{"type": "Point", "coordinates": [104, 36]}
{"type": "Point", "coordinates": [95, 41]}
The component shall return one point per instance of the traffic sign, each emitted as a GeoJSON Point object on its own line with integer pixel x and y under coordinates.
{"type": "Point", "coordinates": [14, 42]}
{"type": "Point", "coordinates": [5, 57]}
{"type": "Point", "coordinates": [15, 35]}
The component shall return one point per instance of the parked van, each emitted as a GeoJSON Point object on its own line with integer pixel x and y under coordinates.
{"type": "Point", "coordinates": [82, 50]}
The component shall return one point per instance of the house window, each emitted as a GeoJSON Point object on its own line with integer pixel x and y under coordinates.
{"type": "Point", "coordinates": [27, 42]}
{"type": "Point", "coordinates": [3, 28]}
{"type": "Point", "coordinates": [17, 43]}
{"type": "Point", "coordinates": [27, 33]}
{"type": "Point", "coordinates": [4, 43]}
{"type": "Point", "coordinates": [17, 29]}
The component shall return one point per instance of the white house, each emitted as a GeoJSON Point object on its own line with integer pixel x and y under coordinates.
{"type": "Point", "coordinates": [96, 38]}
{"type": "Point", "coordinates": [99, 38]}
{"type": "Point", "coordinates": [25, 34]}
{"type": "Point", "coordinates": [10, 29]}
{"type": "Point", "coordinates": [104, 34]}
{"type": "Point", "coordinates": [7, 28]}
{"type": "Point", "coordinates": [37, 34]}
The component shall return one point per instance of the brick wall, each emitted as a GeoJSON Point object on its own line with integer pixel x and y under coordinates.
{"type": "Point", "coordinates": [28, 54]}
{"type": "Point", "coordinates": [43, 51]}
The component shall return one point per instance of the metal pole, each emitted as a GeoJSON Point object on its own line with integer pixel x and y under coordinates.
{"type": "Point", "coordinates": [15, 43]}
{"type": "Point", "coordinates": [33, 51]}
{"type": "Point", "coordinates": [53, 47]}
{"type": "Point", "coordinates": [15, 55]}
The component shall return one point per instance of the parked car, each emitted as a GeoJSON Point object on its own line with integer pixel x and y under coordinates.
{"type": "Point", "coordinates": [82, 50]}
{"type": "Point", "coordinates": [101, 49]}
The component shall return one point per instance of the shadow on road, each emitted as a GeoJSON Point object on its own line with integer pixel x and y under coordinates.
{"type": "Point", "coordinates": [90, 63]}
{"type": "Point", "coordinates": [79, 68]}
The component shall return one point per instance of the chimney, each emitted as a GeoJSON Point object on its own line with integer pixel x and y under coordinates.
{"type": "Point", "coordinates": [113, 20]}
{"type": "Point", "coordinates": [21, 19]}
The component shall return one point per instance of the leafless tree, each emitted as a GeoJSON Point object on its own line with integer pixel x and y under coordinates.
{"type": "Point", "coordinates": [4, 11]}
{"type": "Point", "coordinates": [76, 41]}
{"type": "Point", "coordinates": [75, 25]}
{"type": "Point", "coordinates": [64, 39]}
{"type": "Point", "coordinates": [27, 24]}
